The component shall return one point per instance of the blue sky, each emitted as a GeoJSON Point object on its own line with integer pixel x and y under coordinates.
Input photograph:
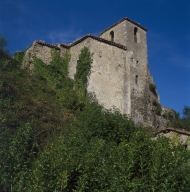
{"type": "Point", "coordinates": [63, 21]}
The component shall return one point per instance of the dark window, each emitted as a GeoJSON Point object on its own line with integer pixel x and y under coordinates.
{"type": "Point", "coordinates": [135, 34]}
{"type": "Point", "coordinates": [112, 36]}
{"type": "Point", "coordinates": [136, 79]}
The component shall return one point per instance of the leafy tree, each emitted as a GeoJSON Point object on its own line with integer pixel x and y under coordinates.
{"type": "Point", "coordinates": [19, 56]}
{"type": "Point", "coordinates": [3, 44]}
{"type": "Point", "coordinates": [16, 159]}
{"type": "Point", "coordinates": [80, 161]}
{"type": "Point", "coordinates": [186, 112]}
{"type": "Point", "coordinates": [182, 123]}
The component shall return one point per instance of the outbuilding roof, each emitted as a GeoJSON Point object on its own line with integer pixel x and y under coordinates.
{"type": "Point", "coordinates": [167, 130]}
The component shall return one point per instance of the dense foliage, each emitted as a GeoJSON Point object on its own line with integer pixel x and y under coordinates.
{"type": "Point", "coordinates": [181, 123]}
{"type": "Point", "coordinates": [55, 138]}
{"type": "Point", "coordinates": [83, 69]}
{"type": "Point", "coordinates": [157, 107]}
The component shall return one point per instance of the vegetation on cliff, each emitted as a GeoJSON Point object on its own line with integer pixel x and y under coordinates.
{"type": "Point", "coordinates": [55, 137]}
{"type": "Point", "coordinates": [180, 123]}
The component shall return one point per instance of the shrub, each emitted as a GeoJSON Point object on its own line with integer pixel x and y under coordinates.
{"type": "Point", "coordinates": [19, 56]}
{"type": "Point", "coordinates": [77, 162]}
{"type": "Point", "coordinates": [16, 159]}
{"type": "Point", "coordinates": [169, 115]}
{"type": "Point", "coordinates": [155, 102]}
{"type": "Point", "coordinates": [158, 108]}
{"type": "Point", "coordinates": [152, 88]}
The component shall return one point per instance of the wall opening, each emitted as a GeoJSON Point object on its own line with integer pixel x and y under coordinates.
{"type": "Point", "coordinates": [112, 36]}
{"type": "Point", "coordinates": [135, 35]}
{"type": "Point", "coordinates": [136, 79]}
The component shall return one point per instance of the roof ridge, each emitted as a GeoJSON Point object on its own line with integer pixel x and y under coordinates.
{"type": "Point", "coordinates": [96, 38]}
{"type": "Point", "coordinates": [47, 44]}
{"type": "Point", "coordinates": [172, 129]}
{"type": "Point", "coordinates": [125, 18]}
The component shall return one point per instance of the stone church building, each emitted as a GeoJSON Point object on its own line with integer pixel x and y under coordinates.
{"type": "Point", "coordinates": [119, 73]}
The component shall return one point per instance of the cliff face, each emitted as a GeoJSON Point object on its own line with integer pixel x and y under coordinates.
{"type": "Point", "coordinates": [119, 73]}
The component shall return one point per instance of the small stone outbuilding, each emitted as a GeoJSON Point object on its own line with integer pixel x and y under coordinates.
{"type": "Point", "coordinates": [182, 136]}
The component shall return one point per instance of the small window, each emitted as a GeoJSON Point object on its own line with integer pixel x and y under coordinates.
{"type": "Point", "coordinates": [112, 36]}
{"type": "Point", "coordinates": [136, 79]}
{"type": "Point", "coordinates": [135, 34]}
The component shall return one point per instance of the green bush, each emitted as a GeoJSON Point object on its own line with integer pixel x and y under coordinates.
{"type": "Point", "coordinates": [181, 123]}
{"type": "Point", "coordinates": [158, 108]}
{"type": "Point", "coordinates": [17, 156]}
{"type": "Point", "coordinates": [152, 88]}
{"type": "Point", "coordinates": [169, 115]}
{"type": "Point", "coordinates": [19, 56]}
{"type": "Point", "coordinates": [77, 162]}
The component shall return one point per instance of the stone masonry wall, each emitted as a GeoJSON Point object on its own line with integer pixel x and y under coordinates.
{"type": "Point", "coordinates": [139, 73]}
{"type": "Point", "coordinates": [41, 51]}
{"type": "Point", "coordinates": [109, 77]}
{"type": "Point", "coordinates": [124, 35]}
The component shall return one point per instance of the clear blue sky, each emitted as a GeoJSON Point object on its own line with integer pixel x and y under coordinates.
{"type": "Point", "coordinates": [63, 21]}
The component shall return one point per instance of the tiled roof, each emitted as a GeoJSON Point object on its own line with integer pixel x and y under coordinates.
{"type": "Point", "coordinates": [64, 45]}
{"type": "Point", "coordinates": [167, 130]}
{"type": "Point", "coordinates": [127, 19]}
{"type": "Point", "coordinates": [96, 38]}
{"type": "Point", "coordinates": [47, 44]}
{"type": "Point", "coordinates": [44, 43]}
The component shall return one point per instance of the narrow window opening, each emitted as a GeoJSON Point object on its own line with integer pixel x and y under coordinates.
{"type": "Point", "coordinates": [135, 34]}
{"type": "Point", "coordinates": [136, 79]}
{"type": "Point", "coordinates": [112, 36]}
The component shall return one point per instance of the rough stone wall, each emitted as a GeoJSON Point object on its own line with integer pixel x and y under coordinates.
{"type": "Point", "coordinates": [41, 51]}
{"type": "Point", "coordinates": [124, 35]}
{"type": "Point", "coordinates": [109, 77]}
{"type": "Point", "coordinates": [142, 108]}
{"type": "Point", "coordinates": [139, 73]}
